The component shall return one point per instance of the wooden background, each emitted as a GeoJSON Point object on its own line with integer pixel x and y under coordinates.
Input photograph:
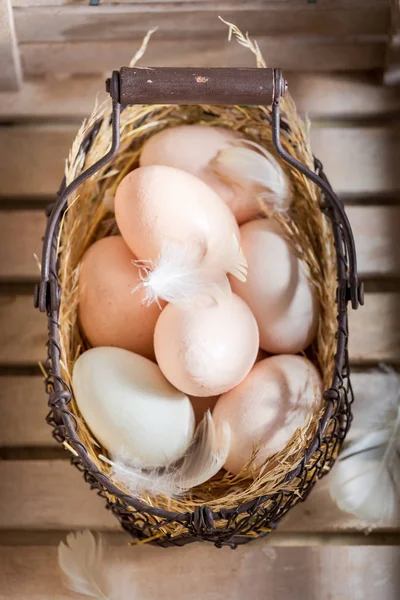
{"type": "Point", "coordinates": [336, 54]}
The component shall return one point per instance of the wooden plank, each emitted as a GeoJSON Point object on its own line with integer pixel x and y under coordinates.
{"type": "Point", "coordinates": [347, 573]}
{"type": "Point", "coordinates": [49, 495]}
{"type": "Point", "coordinates": [23, 406]}
{"type": "Point", "coordinates": [52, 495]}
{"type": "Point", "coordinates": [368, 388]}
{"type": "Point", "coordinates": [321, 96]}
{"type": "Point", "coordinates": [33, 159]}
{"type": "Point", "coordinates": [392, 71]}
{"type": "Point", "coordinates": [23, 331]}
{"type": "Point", "coordinates": [375, 330]}
{"type": "Point", "coordinates": [345, 96]}
{"type": "Point", "coordinates": [358, 160]}
{"type": "Point", "coordinates": [10, 74]}
{"type": "Point", "coordinates": [21, 235]}
{"type": "Point", "coordinates": [129, 22]}
{"type": "Point", "coordinates": [375, 229]}
{"type": "Point", "coordinates": [291, 53]}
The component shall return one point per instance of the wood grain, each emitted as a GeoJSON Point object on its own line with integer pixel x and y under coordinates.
{"type": "Point", "coordinates": [321, 96]}
{"type": "Point", "coordinates": [375, 330]}
{"type": "Point", "coordinates": [23, 407]}
{"type": "Point", "coordinates": [10, 73]}
{"type": "Point", "coordinates": [375, 229]}
{"type": "Point", "coordinates": [358, 160]}
{"type": "Point", "coordinates": [52, 495]}
{"type": "Point", "coordinates": [21, 235]}
{"type": "Point", "coordinates": [348, 573]}
{"type": "Point", "coordinates": [33, 159]}
{"type": "Point", "coordinates": [23, 331]}
{"type": "Point", "coordinates": [129, 22]}
{"type": "Point", "coordinates": [289, 52]}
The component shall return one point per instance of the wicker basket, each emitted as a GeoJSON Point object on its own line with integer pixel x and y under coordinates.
{"type": "Point", "coordinates": [227, 511]}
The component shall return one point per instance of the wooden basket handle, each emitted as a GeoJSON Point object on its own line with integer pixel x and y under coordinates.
{"type": "Point", "coordinates": [169, 85]}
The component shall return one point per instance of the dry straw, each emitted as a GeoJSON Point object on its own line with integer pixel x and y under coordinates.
{"type": "Point", "coordinates": [88, 219]}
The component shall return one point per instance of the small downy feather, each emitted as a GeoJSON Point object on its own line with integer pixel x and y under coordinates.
{"type": "Point", "coordinates": [366, 478]}
{"type": "Point", "coordinates": [81, 560]}
{"type": "Point", "coordinates": [185, 274]}
{"type": "Point", "coordinates": [204, 458]}
{"type": "Point", "coordinates": [248, 161]}
{"type": "Point", "coordinates": [234, 261]}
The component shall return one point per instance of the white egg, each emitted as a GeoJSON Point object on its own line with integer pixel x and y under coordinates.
{"type": "Point", "coordinates": [131, 409]}
{"type": "Point", "coordinates": [267, 407]}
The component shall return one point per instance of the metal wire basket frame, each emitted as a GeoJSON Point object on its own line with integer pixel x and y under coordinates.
{"type": "Point", "coordinates": [259, 516]}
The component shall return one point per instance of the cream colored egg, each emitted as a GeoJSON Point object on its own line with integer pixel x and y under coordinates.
{"type": "Point", "coordinates": [154, 205]}
{"type": "Point", "coordinates": [111, 313]}
{"type": "Point", "coordinates": [206, 351]}
{"type": "Point", "coordinates": [192, 148]}
{"type": "Point", "coordinates": [131, 409]}
{"type": "Point", "coordinates": [266, 409]}
{"type": "Point", "coordinates": [277, 290]}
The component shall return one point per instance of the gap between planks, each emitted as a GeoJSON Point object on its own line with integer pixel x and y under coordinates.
{"type": "Point", "coordinates": [50, 538]}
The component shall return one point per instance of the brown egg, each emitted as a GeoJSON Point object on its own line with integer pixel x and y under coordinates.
{"type": "Point", "coordinates": [110, 312]}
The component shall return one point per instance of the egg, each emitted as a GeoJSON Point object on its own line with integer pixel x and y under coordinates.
{"type": "Point", "coordinates": [131, 409]}
{"type": "Point", "coordinates": [111, 313]}
{"type": "Point", "coordinates": [157, 204]}
{"type": "Point", "coordinates": [205, 351]}
{"type": "Point", "coordinates": [192, 148]}
{"type": "Point", "coordinates": [277, 290]}
{"type": "Point", "coordinates": [266, 409]}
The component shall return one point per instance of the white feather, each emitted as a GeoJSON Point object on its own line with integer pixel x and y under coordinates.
{"type": "Point", "coordinates": [81, 560]}
{"type": "Point", "coordinates": [234, 260]}
{"type": "Point", "coordinates": [87, 572]}
{"type": "Point", "coordinates": [366, 479]}
{"type": "Point", "coordinates": [369, 415]}
{"type": "Point", "coordinates": [205, 457]}
{"type": "Point", "coordinates": [250, 161]}
{"type": "Point", "coordinates": [186, 274]}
